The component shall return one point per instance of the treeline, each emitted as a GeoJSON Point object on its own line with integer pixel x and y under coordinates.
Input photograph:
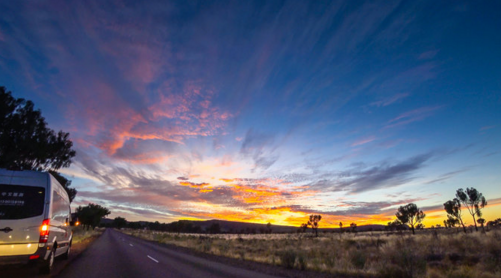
{"type": "Point", "coordinates": [181, 226]}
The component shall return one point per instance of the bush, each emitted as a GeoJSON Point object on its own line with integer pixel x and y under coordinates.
{"type": "Point", "coordinates": [358, 258]}
{"type": "Point", "coordinates": [288, 258]}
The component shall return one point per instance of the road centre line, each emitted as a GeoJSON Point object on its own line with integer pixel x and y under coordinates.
{"type": "Point", "coordinates": [151, 258]}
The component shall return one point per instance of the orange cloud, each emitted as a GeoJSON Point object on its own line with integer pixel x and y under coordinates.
{"type": "Point", "coordinates": [192, 184]}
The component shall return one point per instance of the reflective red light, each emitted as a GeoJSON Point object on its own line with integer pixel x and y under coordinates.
{"type": "Point", "coordinates": [34, 257]}
{"type": "Point", "coordinates": [44, 231]}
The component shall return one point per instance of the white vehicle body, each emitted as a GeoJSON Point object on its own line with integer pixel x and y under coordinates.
{"type": "Point", "coordinates": [35, 218]}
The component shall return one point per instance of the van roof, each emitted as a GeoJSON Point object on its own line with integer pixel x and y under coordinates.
{"type": "Point", "coordinates": [26, 177]}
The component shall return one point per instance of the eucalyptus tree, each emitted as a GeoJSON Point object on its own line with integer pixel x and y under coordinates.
{"type": "Point", "coordinates": [410, 214]}
{"type": "Point", "coordinates": [453, 209]}
{"type": "Point", "coordinates": [314, 219]}
{"type": "Point", "coordinates": [473, 200]}
{"type": "Point", "coordinates": [481, 221]}
{"type": "Point", "coordinates": [27, 143]}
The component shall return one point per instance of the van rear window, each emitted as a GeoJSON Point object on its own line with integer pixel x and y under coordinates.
{"type": "Point", "coordinates": [18, 201]}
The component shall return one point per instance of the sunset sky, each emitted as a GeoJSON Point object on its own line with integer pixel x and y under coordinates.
{"type": "Point", "coordinates": [265, 111]}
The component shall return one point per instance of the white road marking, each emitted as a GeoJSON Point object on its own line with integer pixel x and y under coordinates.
{"type": "Point", "coordinates": [153, 259]}
{"type": "Point", "coordinates": [131, 244]}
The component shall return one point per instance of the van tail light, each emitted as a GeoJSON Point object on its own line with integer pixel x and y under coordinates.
{"type": "Point", "coordinates": [44, 231]}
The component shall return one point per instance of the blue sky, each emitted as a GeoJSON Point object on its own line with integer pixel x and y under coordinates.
{"type": "Point", "coordinates": [265, 111]}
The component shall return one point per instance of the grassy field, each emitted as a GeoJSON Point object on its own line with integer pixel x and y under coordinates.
{"type": "Point", "coordinates": [79, 234]}
{"type": "Point", "coordinates": [430, 253]}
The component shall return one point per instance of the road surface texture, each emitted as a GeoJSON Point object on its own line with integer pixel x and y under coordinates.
{"type": "Point", "coordinates": [118, 255]}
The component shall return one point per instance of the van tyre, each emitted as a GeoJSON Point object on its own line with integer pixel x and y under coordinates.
{"type": "Point", "coordinates": [46, 266]}
{"type": "Point", "coordinates": [66, 254]}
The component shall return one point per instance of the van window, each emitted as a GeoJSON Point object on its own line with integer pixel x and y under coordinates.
{"type": "Point", "coordinates": [18, 201]}
{"type": "Point", "coordinates": [60, 208]}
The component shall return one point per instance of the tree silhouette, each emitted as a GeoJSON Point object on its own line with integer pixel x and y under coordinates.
{"type": "Point", "coordinates": [473, 200]}
{"type": "Point", "coordinates": [481, 221]}
{"type": "Point", "coordinates": [453, 209]}
{"type": "Point", "coordinates": [268, 227]}
{"type": "Point", "coordinates": [303, 228]}
{"type": "Point", "coordinates": [91, 215]}
{"type": "Point", "coordinates": [26, 143]}
{"type": "Point", "coordinates": [340, 227]}
{"type": "Point", "coordinates": [410, 214]}
{"type": "Point", "coordinates": [119, 222]}
{"type": "Point", "coordinates": [353, 227]}
{"type": "Point", "coordinates": [314, 219]}
{"type": "Point", "coordinates": [214, 228]}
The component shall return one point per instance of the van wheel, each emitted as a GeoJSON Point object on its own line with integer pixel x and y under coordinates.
{"type": "Point", "coordinates": [66, 255]}
{"type": "Point", "coordinates": [46, 266]}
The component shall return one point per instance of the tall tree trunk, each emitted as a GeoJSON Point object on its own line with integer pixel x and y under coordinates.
{"type": "Point", "coordinates": [475, 222]}
{"type": "Point", "coordinates": [464, 228]}
{"type": "Point", "coordinates": [413, 232]}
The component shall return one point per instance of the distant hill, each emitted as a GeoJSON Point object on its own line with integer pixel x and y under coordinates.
{"type": "Point", "coordinates": [224, 226]}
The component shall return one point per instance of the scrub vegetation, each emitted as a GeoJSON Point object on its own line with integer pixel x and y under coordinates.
{"type": "Point", "coordinates": [430, 253]}
{"type": "Point", "coordinates": [80, 234]}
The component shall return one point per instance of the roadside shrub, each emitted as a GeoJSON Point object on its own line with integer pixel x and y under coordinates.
{"type": "Point", "coordinates": [358, 258]}
{"type": "Point", "coordinates": [391, 271]}
{"type": "Point", "coordinates": [301, 261]}
{"type": "Point", "coordinates": [288, 258]}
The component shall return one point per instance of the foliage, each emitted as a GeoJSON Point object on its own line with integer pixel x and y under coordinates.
{"type": "Point", "coordinates": [395, 225]}
{"type": "Point", "coordinates": [288, 258]}
{"type": "Point", "coordinates": [313, 222]}
{"type": "Point", "coordinates": [268, 227]}
{"type": "Point", "coordinates": [453, 209]}
{"type": "Point", "coordinates": [437, 252]}
{"type": "Point", "coordinates": [26, 143]}
{"type": "Point", "coordinates": [473, 200]}
{"type": "Point", "coordinates": [303, 228]}
{"type": "Point", "coordinates": [353, 227]}
{"type": "Point", "coordinates": [91, 215]}
{"type": "Point", "coordinates": [119, 222]}
{"type": "Point", "coordinates": [410, 214]}
{"type": "Point", "coordinates": [481, 221]}
{"type": "Point", "coordinates": [214, 228]}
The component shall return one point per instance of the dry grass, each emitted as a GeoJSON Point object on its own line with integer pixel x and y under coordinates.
{"type": "Point", "coordinates": [79, 234]}
{"type": "Point", "coordinates": [429, 254]}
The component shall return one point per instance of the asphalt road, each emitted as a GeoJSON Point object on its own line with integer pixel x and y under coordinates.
{"type": "Point", "coordinates": [118, 255]}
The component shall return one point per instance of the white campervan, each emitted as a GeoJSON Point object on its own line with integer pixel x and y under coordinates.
{"type": "Point", "coordinates": [34, 219]}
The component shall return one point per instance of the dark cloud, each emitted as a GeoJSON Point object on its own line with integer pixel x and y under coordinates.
{"type": "Point", "coordinates": [382, 176]}
{"type": "Point", "coordinates": [361, 177]}
{"type": "Point", "coordinates": [348, 208]}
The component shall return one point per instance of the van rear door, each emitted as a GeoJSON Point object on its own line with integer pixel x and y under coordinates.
{"type": "Point", "coordinates": [21, 215]}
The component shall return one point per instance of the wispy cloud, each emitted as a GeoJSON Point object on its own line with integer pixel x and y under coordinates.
{"type": "Point", "coordinates": [446, 176]}
{"type": "Point", "coordinates": [412, 116]}
{"type": "Point", "coordinates": [487, 127]}
{"type": "Point", "coordinates": [390, 100]}
{"type": "Point", "coordinates": [362, 178]}
{"type": "Point", "coordinates": [259, 147]}
{"type": "Point", "coordinates": [363, 141]}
